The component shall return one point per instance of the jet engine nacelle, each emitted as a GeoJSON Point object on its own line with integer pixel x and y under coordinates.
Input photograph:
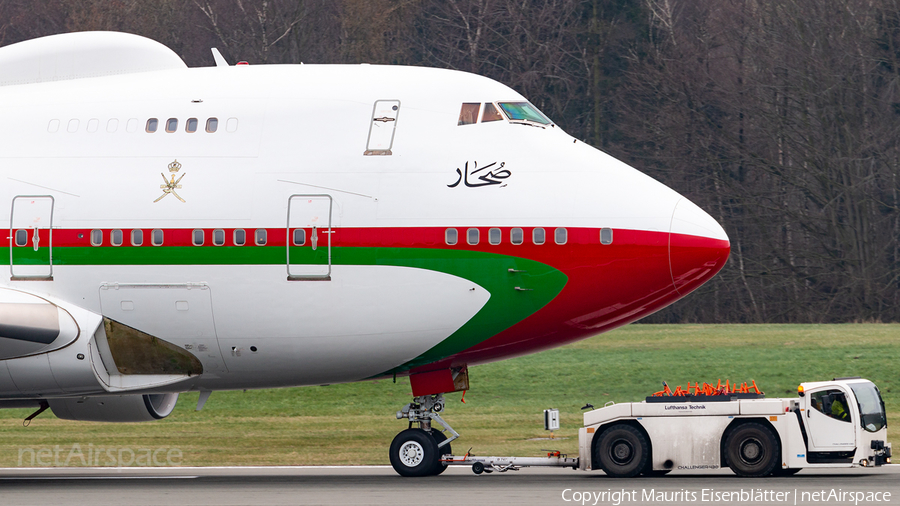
{"type": "Point", "coordinates": [115, 408]}
{"type": "Point", "coordinates": [49, 349]}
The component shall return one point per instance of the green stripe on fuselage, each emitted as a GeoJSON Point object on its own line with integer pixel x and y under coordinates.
{"type": "Point", "coordinates": [506, 306]}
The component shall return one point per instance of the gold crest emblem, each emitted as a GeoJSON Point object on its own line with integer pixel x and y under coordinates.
{"type": "Point", "coordinates": [171, 184]}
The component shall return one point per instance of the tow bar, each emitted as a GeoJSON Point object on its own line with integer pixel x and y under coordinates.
{"type": "Point", "coordinates": [503, 464]}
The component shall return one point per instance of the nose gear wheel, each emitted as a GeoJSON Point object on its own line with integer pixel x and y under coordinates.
{"type": "Point", "coordinates": [417, 451]}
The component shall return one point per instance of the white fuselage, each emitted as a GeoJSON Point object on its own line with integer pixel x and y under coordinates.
{"type": "Point", "coordinates": [283, 131]}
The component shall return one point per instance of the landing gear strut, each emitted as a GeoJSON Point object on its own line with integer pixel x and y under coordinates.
{"type": "Point", "coordinates": [418, 451]}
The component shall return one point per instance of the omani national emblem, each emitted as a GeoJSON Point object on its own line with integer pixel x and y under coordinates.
{"type": "Point", "coordinates": [171, 184]}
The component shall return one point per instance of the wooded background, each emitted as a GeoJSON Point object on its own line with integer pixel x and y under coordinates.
{"type": "Point", "coordinates": [780, 118]}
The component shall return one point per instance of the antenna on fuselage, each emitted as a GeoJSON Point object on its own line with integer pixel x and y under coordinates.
{"type": "Point", "coordinates": [220, 60]}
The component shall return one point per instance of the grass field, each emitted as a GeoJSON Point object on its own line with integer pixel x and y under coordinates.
{"type": "Point", "coordinates": [354, 423]}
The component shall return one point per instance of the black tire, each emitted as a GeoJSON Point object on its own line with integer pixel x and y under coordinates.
{"type": "Point", "coordinates": [414, 453]}
{"type": "Point", "coordinates": [478, 468]}
{"type": "Point", "coordinates": [752, 450]}
{"type": "Point", "coordinates": [439, 437]}
{"type": "Point", "coordinates": [621, 451]}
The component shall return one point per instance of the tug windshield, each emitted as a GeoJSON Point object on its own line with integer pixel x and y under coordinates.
{"type": "Point", "coordinates": [523, 111]}
{"type": "Point", "coordinates": [871, 406]}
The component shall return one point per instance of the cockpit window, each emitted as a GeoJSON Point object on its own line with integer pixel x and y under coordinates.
{"type": "Point", "coordinates": [523, 111]}
{"type": "Point", "coordinates": [468, 114]}
{"type": "Point", "coordinates": [490, 113]}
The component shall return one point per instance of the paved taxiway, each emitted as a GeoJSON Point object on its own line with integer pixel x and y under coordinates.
{"type": "Point", "coordinates": [379, 485]}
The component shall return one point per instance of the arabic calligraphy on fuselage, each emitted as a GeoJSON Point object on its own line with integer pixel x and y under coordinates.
{"type": "Point", "coordinates": [495, 175]}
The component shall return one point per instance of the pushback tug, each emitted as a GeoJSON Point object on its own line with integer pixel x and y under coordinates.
{"type": "Point", "coordinates": [831, 424]}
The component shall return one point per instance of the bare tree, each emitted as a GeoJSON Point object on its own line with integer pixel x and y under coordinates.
{"type": "Point", "coordinates": [376, 31]}
{"type": "Point", "coordinates": [266, 31]}
{"type": "Point", "coordinates": [774, 116]}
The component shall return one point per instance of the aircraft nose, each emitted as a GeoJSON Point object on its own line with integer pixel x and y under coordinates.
{"type": "Point", "coordinates": [698, 246]}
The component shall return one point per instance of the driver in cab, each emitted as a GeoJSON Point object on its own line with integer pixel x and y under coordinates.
{"type": "Point", "coordinates": [838, 410]}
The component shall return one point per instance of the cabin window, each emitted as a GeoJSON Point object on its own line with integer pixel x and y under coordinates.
{"type": "Point", "coordinates": [53, 126]}
{"type": "Point", "coordinates": [490, 113]}
{"type": "Point", "coordinates": [198, 237]}
{"type": "Point", "coordinates": [171, 125]}
{"type": "Point", "coordinates": [93, 125]}
{"type": "Point", "coordinates": [137, 237]}
{"type": "Point", "coordinates": [299, 237]}
{"type": "Point", "coordinates": [239, 237]}
{"type": "Point", "coordinates": [538, 236]}
{"type": "Point", "coordinates": [523, 111]}
{"type": "Point", "coordinates": [116, 238]}
{"type": "Point", "coordinates": [218, 237]}
{"type": "Point", "coordinates": [472, 236]}
{"type": "Point", "coordinates": [605, 236]}
{"type": "Point", "coordinates": [560, 235]}
{"type": "Point", "coordinates": [212, 124]}
{"type": "Point", "coordinates": [156, 237]}
{"type": "Point", "coordinates": [516, 236]}
{"type": "Point", "coordinates": [260, 236]}
{"type": "Point", "coordinates": [451, 236]}
{"type": "Point", "coordinates": [96, 237]}
{"type": "Point", "coordinates": [73, 126]}
{"type": "Point", "coordinates": [231, 125]}
{"type": "Point", "coordinates": [191, 125]}
{"type": "Point", "coordinates": [21, 237]}
{"type": "Point", "coordinates": [494, 236]}
{"type": "Point", "coordinates": [112, 125]}
{"type": "Point", "coordinates": [131, 126]}
{"type": "Point", "coordinates": [152, 125]}
{"type": "Point", "coordinates": [468, 114]}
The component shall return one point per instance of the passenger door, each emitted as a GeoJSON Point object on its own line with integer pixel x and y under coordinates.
{"type": "Point", "coordinates": [31, 238]}
{"type": "Point", "coordinates": [309, 238]}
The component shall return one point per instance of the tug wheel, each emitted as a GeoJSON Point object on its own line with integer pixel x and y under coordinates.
{"type": "Point", "coordinates": [621, 451]}
{"type": "Point", "coordinates": [414, 453]}
{"type": "Point", "coordinates": [752, 450]}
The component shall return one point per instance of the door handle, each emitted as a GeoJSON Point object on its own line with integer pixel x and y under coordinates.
{"type": "Point", "coordinates": [314, 239]}
{"type": "Point", "coordinates": [35, 239]}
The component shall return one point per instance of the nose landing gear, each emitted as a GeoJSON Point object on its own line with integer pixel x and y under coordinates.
{"type": "Point", "coordinates": [418, 451]}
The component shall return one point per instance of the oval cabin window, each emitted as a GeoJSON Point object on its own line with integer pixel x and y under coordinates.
{"type": "Point", "coordinates": [451, 236]}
